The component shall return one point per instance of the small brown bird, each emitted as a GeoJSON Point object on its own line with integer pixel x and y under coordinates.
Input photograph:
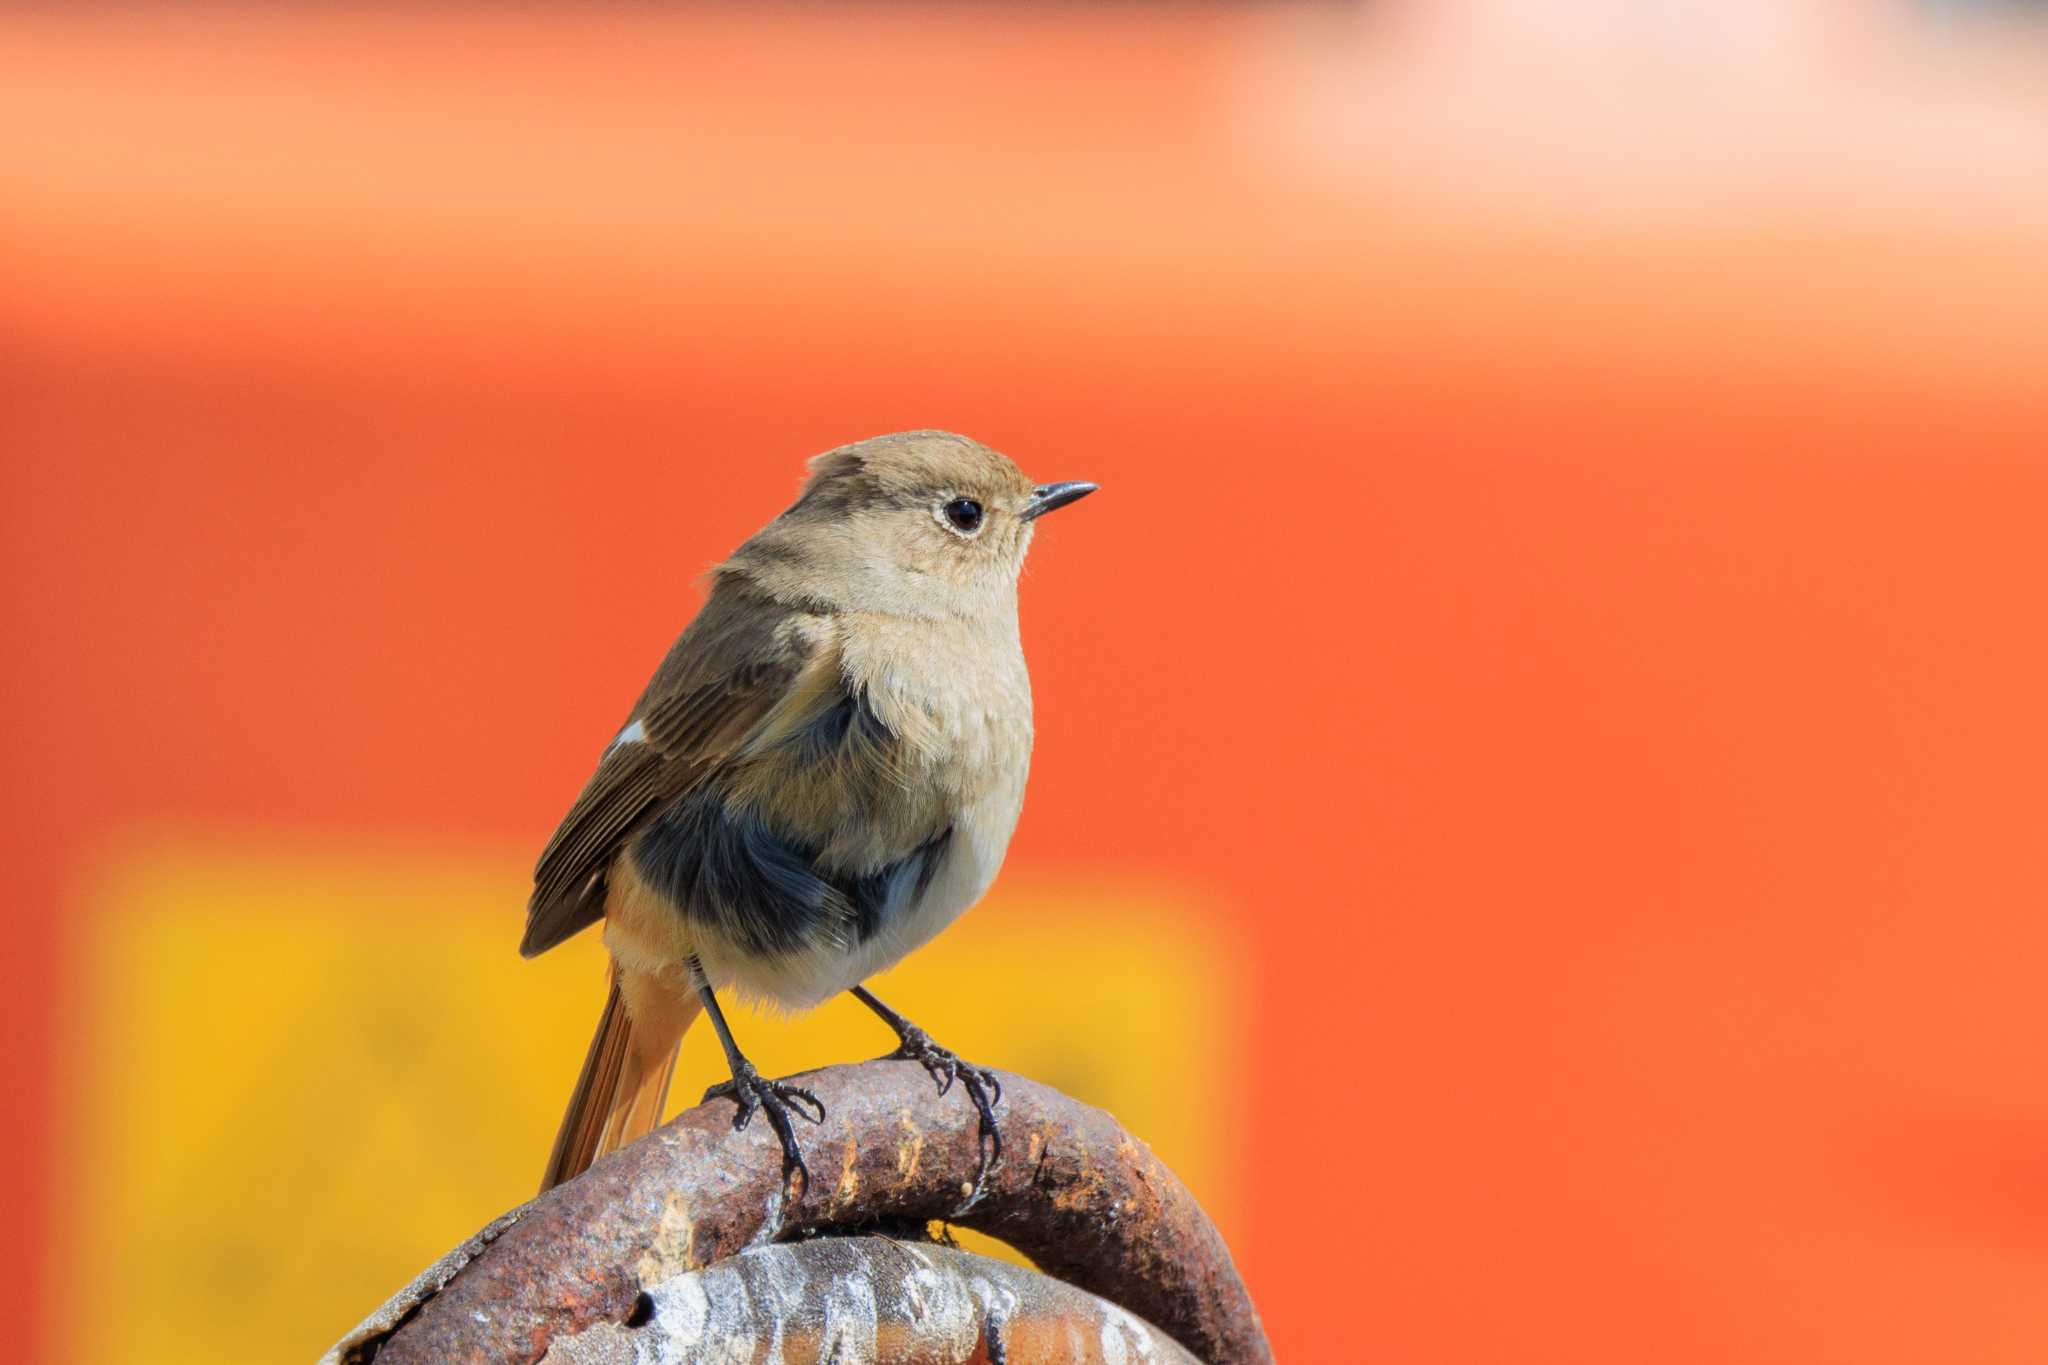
{"type": "Point", "coordinates": [823, 773]}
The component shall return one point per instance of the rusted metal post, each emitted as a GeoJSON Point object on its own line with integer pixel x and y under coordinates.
{"type": "Point", "coordinates": [1086, 1201]}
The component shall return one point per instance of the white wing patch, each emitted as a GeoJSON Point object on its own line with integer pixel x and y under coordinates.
{"type": "Point", "coordinates": [634, 733]}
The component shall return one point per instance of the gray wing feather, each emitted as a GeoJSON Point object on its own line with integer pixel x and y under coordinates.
{"type": "Point", "coordinates": [728, 673]}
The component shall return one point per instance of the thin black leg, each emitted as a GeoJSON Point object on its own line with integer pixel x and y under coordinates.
{"type": "Point", "coordinates": [777, 1099]}
{"type": "Point", "coordinates": [981, 1084]}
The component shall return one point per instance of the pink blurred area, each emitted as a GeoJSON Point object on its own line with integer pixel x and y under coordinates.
{"type": "Point", "coordinates": [1568, 578]}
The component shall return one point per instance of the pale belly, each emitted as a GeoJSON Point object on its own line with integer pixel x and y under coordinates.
{"type": "Point", "coordinates": [973, 856]}
{"type": "Point", "coordinates": [647, 934]}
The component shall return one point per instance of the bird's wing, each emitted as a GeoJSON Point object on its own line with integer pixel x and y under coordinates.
{"type": "Point", "coordinates": [745, 671]}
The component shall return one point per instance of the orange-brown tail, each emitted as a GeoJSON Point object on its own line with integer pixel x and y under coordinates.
{"type": "Point", "coordinates": [624, 1084]}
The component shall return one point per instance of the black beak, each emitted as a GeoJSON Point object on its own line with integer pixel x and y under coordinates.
{"type": "Point", "coordinates": [1047, 496]}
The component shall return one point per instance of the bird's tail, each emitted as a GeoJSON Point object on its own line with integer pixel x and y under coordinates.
{"type": "Point", "coordinates": [624, 1084]}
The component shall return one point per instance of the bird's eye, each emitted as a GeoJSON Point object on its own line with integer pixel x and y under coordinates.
{"type": "Point", "coordinates": [963, 515]}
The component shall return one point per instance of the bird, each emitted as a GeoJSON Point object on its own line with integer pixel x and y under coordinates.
{"type": "Point", "coordinates": [823, 773]}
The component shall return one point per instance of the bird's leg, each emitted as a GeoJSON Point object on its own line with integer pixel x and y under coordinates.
{"type": "Point", "coordinates": [747, 1088]}
{"type": "Point", "coordinates": [979, 1082]}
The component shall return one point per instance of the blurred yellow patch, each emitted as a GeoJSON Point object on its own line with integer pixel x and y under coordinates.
{"type": "Point", "coordinates": [300, 1076]}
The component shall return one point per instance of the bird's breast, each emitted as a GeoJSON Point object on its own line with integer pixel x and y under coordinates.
{"type": "Point", "coordinates": [900, 799]}
{"type": "Point", "coordinates": [957, 698]}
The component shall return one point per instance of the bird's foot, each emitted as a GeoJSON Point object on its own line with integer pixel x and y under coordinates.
{"type": "Point", "coordinates": [778, 1100]}
{"type": "Point", "coordinates": [981, 1084]}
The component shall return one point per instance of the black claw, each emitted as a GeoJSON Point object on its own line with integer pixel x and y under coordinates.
{"type": "Point", "coordinates": [798, 1097]}
{"type": "Point", "coordinates": [981, 1085]}
{"type": "Point", "coordinates": [776, 1099]}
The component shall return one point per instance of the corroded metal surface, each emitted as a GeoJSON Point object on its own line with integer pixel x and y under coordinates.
{"type": "Point", "coordinates": [1082, 1198]}
{"type": "Point", "coordinates": [869, 1298]}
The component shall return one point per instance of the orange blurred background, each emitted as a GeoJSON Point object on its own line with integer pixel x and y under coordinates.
{"type": "Point", "coordinates": [1539, 805]}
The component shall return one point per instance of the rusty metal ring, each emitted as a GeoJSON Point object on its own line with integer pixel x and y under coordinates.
{"type": "Point", "coordinates": [1086, 1201]}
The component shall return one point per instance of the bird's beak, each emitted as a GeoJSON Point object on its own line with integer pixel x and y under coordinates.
{"type": "Point", "coordinates": [1047, 496]}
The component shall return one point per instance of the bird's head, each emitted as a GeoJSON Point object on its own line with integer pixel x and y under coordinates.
{"type": "Point", "coordinates": [920, 523]}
